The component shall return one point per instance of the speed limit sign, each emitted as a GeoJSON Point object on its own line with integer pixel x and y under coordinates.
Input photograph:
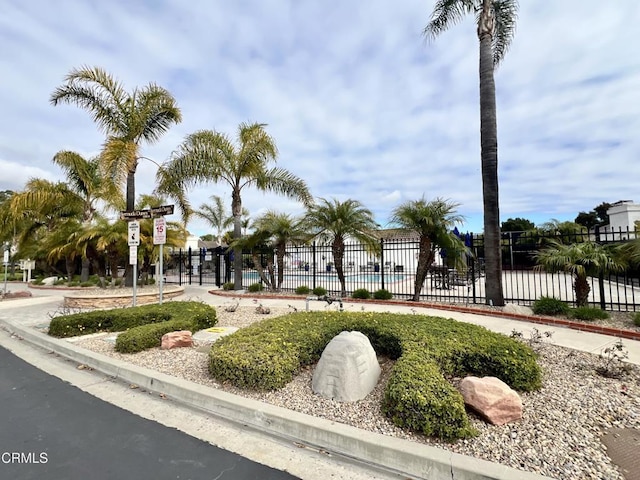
{"type": "Point", "coordinates": [159, 231]}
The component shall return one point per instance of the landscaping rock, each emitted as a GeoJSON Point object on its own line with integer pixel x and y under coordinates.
{"type": "Point", "coordinates": [517, 309]}
{"type": "Point", "coordinates": [181, 338]}
{"type": "Point", "coordinates": [348, 369]}
{"type": "Point", "coordinates": [493, 399]}
{"type": "Point", "coordinates": [49, 281]}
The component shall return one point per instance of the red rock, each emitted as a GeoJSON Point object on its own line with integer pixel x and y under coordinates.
{"type": "Point", "coordinates": [181, 338]}
{"type": "Point", "coordinates": [492, 399]}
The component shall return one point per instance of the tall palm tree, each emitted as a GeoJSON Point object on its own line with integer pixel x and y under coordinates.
{"type": "Point", "coordinates": [280, 230]}
{"type": "Point", "coordinates": [496, 22]}
{"type": "Point", "coordinates": [127, 119]}
{"type": "Point", "coordinates": [335, 221]}
{"type": "Point", "coordinates": [434, 222]}
{"type": "Point", "coordinates": [215, 214]}
{"type": "Point", "coordinates": [209, 156]}
{"type": "Point", "coordinates": [581, 260]}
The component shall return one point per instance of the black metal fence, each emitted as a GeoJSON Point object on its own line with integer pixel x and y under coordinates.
{"type": "Point", "coordinates": [393, 269]}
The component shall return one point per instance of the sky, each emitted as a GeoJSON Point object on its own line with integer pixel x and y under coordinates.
{"type": "Point", "coordinates": [361, 105]}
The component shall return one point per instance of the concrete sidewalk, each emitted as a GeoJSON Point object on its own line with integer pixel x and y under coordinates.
{"type": "Point", "coordinates": [392, 455]}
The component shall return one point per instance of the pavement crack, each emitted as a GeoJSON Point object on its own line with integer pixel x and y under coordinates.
{"type": "Point", "coordinates": [224, 471]}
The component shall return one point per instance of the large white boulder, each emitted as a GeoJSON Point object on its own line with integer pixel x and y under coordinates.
{"type": "Point", "coordinates": [348, 369]}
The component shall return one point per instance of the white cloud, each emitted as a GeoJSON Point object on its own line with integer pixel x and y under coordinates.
{"type": "Point", "coordinates": [359, 103]}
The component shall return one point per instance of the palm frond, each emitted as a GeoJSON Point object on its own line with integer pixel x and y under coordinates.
{"type": "Point", "coordinates": [506, 16]}
{"type": "Point", "coordinates": [447, 13]}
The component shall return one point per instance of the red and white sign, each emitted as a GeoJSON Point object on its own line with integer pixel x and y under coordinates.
{"type": "Point", "coordinates": [159, 231]}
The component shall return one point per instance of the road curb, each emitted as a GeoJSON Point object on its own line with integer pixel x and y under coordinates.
{"type": "Point", "coordinates": [386, 453]}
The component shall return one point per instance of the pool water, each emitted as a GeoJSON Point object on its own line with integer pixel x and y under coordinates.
{"type": "Point", "coordinates": [252, 277]}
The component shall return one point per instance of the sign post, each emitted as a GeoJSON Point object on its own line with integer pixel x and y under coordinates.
{"type": "Point", "coordinates": [160, 238]}
{"type": "Point", "coordinates": [134, 241]}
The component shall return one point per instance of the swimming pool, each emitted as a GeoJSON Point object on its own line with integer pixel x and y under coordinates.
{"type": "Point", "coordinates": [299, 279]}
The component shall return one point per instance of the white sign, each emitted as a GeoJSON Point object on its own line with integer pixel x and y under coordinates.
{"type": "Point", "coordinates": [6, 256]}
{"type": "Point", "coordinates": [159, 231]}
{"type": "Point", "coordinates": [133, 255]}
{"type": "Point", "coordinates": [134, 234]}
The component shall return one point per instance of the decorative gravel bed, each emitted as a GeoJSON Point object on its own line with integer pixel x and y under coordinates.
{"type": "Point", "coordinates": [559, 435]}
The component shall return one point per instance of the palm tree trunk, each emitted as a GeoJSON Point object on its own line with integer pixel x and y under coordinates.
{"type": "Point", "coordinates": [582, 289]}
{"type": "Point", "coordinates": [425, 258]}
{"type": "Point", "coordinates": [489, 155]}
{"type": "Point", "coordinates": [280, 253]}
{"type": "Point", "coordinates": [84, 273]}
{"type": "Point", "coordinates": [236, 211]}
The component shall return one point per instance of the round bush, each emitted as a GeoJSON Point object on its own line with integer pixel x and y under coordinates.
{"type": "Point", "coordinates": [550, 306]}
{"type": "Point", "coordinates": [228, 286]}
{"type": "Point", "coordinates": [303, 290]}
{"type": "Point", "coordinates": [319, 291]}
{"type": "Point", "coordinates": [256, 287]}
{"type": "Point", "coordinates": [588, 314]}
{"type": "Point", "coordinates": [382, 294]}
{"type": "Point", "coordinates": [361, 293]}
{"type": "Point", "coordinates": [636, 319]}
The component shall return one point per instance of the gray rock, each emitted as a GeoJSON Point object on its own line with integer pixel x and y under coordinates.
{"type": "Point", "coordinates": [49, 281]}
{"type": "Point", "coordinates": [348, 369]}
{"type": "Point", "coordinates": [517, 309]}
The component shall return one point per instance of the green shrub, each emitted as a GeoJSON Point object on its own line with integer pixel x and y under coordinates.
{"type": "Point", "coordinates": [303, 290]}
{"type": "Point", "coordinates": [382, 294]}
{"type": "Point", "coordinates": [228, 286]}
{"type": "Point", "coordinates": [361, 293]}
{"type": "Point", "coordinates": [60, 281]}
{"type": "Point", "coordinates": [636, 319]}
{"type": "Point", "coordinates": [74, 283]}
{"type": "Point", "coordinates": [319, 291]}
{"type": "Point", "coordinates": [266, 356]}
{"type": "Point", "coordinates": [38, 281]}
{"type": "Point", "coordinates": [256, 287]}
{"type": "Point", "coordinates": [588, 314]}
{"type": "Point", "coordinates": [87, 284]}
{"type": "Point", "coordinates": [550, 306]}
{"type": "Point", "coordinates": [119, 319]}
{"type": "Point", "coordinates": [148, 336]}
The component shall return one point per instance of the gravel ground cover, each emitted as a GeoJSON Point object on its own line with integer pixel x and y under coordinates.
{"type": "Point", "coordinates": [559, 435]}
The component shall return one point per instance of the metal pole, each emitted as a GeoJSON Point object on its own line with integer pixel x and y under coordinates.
{"type": "Point", "coordinates": [6, 264]}
{"type": "Point", "coordinates": [5, 278]}
{"type": "Point", "coordinates": [135, 282]}
{"type": "Point", "coordinates": [161, 274]}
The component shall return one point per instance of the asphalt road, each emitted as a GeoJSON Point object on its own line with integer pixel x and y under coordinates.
{"type": "Point", "coordinates": [50, 430]}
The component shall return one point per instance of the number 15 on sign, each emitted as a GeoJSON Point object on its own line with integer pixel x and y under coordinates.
{"type": "Point", "coordinates": [159, 231]}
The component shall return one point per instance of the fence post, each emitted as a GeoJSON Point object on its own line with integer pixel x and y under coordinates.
{"type": "Point", "coordinates": [382, 263]}
{"type": "Point", "coordinates": [180, 267]}
{"type": "Point", "coordinates": [203, 254]}
{"type": "Point", "coordinates": [217, 267]}
{"type": "Point", "coordinates": [313, 265]}
{"type": "Point", "coordinates": [189, 266]}
{"type": "Point", "coordinates": [603, 305]}
{"type": "Point", "coordinates": [473, 267]}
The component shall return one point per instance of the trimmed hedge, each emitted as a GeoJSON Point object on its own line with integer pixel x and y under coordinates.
{"type": "Point", "coordinates": [266, 356]}
{"type": "Point", "coordinates": [137, 321]}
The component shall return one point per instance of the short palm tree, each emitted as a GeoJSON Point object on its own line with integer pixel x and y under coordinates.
{"type": "Point", "coordinates": [433, 221]}
{"type": "Point", "coordinates": [280, 230]}
{"type": "Point", "coordinates": [208, 156]}
{"type": "Point", "coordinates": [496, 21]}
{"type": "Point", "coordinates": [334, 222]}
{"type": "Point", "coordinates": [581, 260]}
{"type": "Point", "coordinates": [128, 119]}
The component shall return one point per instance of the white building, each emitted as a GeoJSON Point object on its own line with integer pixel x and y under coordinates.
{"type": "Point", "coordinates": [622, 218]}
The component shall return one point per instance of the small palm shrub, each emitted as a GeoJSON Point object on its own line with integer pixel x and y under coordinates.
{"type": "Point", "coordinates": [550, 306]}
{"type": "Point", "coordinates": [228, 286]}
{"type": "Point", "coordinates": [382, 294]}
{"type": "Point", "coordinates": [588, 314]}
{"type": "Point", "coordinates": [256, 287]}
{"type": "Point", "coordinates": [362, 293]}
{"type": "Point", "coordinates": [319, 291]}
{"type": "Point", "coordinates": [303, 290]}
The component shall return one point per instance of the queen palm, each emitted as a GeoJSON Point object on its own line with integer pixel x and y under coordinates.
{"type": "Point", "coordinates": [280, 230]}
{"type": "Point", "coordinates": [580, 260]}
{"type": "Point", "coordinates": [434, 222]}
{"type": "Point", "coordinates": [334, 222]}
{"type": "Point", "coordinates": [215, 214]}
{"type": "Point", "coordinates": [496, 21]}
{"type": "Point", "coordinates": [127, 119]}
{"type": "Point", "coordinates": [209, 156]}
